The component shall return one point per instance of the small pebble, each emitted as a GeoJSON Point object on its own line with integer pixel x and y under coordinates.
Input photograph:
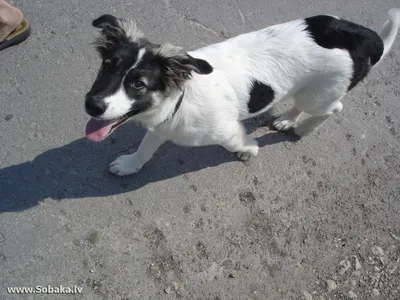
{"type": "Point", "coordinates": [377, 251]}
{"type": "Point", "coordinates": [358, 264]}
{"type": "Point", "coordinates": [353, 283]}
{"type": "Point", "coordinates": [353, 295]}
{"type": "Point", "coordinates": [375, 276]}
{"type": "Point", "coordinates": [331, 285]}
{"type": "Point", "coordinates": [357, 273]}
{"type": "Point", "coordinates": [167, 290]}
{"type": "Point", "coordinates": [233, 275]}
{"type": "Point", "coordinates": [393, 270]}
{"type": "Point", "coordinates": [345, 265]}
{"type": "Point", "coordinates": [307, 295]}
{"type": "Point", "coordinates": [375, 293]}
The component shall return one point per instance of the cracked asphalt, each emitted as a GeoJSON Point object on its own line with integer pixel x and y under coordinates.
{"type": "Point", "coordinates": [317, 218]}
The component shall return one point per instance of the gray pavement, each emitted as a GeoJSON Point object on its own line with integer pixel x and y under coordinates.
{"type": "Point", "coordinates": [314, 219]}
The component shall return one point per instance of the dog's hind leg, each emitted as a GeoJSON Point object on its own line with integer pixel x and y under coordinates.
{"type": "Point", "coordinates": [287, 120]}
{"type": "Point", "coordinates": [129, 164]}
{"type": "Point", "coordinates": [308, 125]}
{"type": "Point", "coordinates": [241, 143]}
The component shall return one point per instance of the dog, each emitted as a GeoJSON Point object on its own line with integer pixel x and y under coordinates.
{"type": "Point", "coordinates": [201, 97]}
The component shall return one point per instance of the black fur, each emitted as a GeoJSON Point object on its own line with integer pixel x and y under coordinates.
{"type": "Point", "coordinates": [364, 45]}
{"type": "Point", "coordinates": [260, 96]}
{"type": "Point", "coordinates": [178, 68]}
{"type": "Point", "coordinates": [105, 21]}
{"type": "Point", "coordinates": [113, 69]}
{"type": "Point", "coordinates": [193, 64]}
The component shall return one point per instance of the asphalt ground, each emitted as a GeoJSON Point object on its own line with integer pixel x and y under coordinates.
{"type": "Point", "coordinates": [317, 218]}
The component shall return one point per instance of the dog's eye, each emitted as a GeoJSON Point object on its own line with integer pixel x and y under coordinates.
{"type": "Point", "coordinates": [112, 63]}
{"type": "Point", "coordinates": [138, 85]}
{"type": "Point", "coordinates": [106, 64]}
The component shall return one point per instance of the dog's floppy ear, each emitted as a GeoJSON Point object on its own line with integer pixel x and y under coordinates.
{"type": "Point", "coordinates": [179, 68]}
{"type": "Point", "coordinates": [179, 65]}
{"type": "Point", "coordinates": [104, 21]}
{"type": "Point", "coordinates": [114, 32]}
{"type": "Point", "coordinates": [189, 63]}
{"type": "Point", "coordinates": [110, 36]}
{"type": "Point", "coordinates": [118, 28]}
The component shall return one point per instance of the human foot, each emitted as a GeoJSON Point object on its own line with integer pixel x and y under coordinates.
{"type": "Point", "coordinates": [10, 18]}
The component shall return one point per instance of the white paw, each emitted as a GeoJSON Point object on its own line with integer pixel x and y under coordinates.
{"type": "Point", "coordinates": [282, 125]}
{"type": "Point", "coordinates": [251, 151]}
{"type": "Point", "coordinates": [125, 165]}
{"type": "Point", "coordinates": [243, 156]}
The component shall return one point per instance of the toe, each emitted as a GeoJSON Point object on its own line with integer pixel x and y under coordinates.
{"type": "Point", "coordinates": [282, 125]}
{"type": "Point", "coordinates": [243, 156]}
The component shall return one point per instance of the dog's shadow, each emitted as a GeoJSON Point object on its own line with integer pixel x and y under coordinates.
{"type": "Point", "coordinates": [79, 169]}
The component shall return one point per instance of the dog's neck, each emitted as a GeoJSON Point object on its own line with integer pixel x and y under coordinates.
{"type": "Point", "coordinates": [163, 113]}
{"type": "Point", "coordinates": [177, 106]}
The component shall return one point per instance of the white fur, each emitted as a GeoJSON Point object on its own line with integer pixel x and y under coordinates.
{"type": "Point", "coordinates": [139, 58]}
{"type": "Point", "coordinates": [130, 29]}
{"type": "Point", "coordinates": [119, 103]}
{"type": "Point", "coordinates": [285, 57]}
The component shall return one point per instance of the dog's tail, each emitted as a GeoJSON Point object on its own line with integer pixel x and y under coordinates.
{"type": "Point", "coordinates": [389, 30]}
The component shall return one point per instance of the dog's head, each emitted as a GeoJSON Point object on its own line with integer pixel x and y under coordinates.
{"type": "Point", "coordinates": [135, 75]}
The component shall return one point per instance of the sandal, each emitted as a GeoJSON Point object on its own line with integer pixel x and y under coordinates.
{"type": "Point", "coordinates": [19, 35]}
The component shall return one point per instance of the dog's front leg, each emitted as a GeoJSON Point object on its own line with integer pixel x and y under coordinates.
{"type": "Point", "coordinates": [129, 164]}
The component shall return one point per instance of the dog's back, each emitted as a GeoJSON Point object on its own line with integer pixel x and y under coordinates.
{"type": "Point", "coordinates": [281, 61]}
{"type": "Point", "coordinates": [364, 45]}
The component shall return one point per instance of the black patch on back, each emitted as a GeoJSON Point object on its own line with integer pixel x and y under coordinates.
{"type": "Point", "coordinates": [364, 45]}
{"type": "Point", "coordinates": [260, 96]}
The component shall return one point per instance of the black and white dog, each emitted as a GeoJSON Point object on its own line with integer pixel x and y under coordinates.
{"type": "Point", "coordinates": [200, 98]}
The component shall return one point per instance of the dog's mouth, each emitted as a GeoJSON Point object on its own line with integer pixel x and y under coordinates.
{"type": "Point", "coordinates": [98, 130]}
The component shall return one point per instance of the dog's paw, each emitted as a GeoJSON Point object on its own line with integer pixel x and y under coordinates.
{"type": "Point", "coordinates": [243, 156]}
{"type": "Point", "coordinates": [125, 165]}
{"type": "Point", "coordinates": [281, 124]}
{"type": "Point", "coordinates": [251, 151]}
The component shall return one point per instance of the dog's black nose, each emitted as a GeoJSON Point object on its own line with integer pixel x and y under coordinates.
{"type": "Point", "coordinates": [95, 106]}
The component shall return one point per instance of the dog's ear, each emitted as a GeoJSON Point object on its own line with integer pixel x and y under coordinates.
{"type": "Point", "coordinates": [111, 24]}
{"type": "Point", "coordinates": [114, 32]}
{"type": "Point", "coordinates": [105, 21]}
{"type": "Point", "coordinates": [110, 36]}
{"type": "Point", "coordinates": [179, 68]}
{"type": "Point", "coordinates": [189, 63]}
{"type": "Point", "coordinates": [178, 65]}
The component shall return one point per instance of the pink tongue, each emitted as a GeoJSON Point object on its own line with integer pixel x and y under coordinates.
{"type": "Point", "coordinates": [97, 130]}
